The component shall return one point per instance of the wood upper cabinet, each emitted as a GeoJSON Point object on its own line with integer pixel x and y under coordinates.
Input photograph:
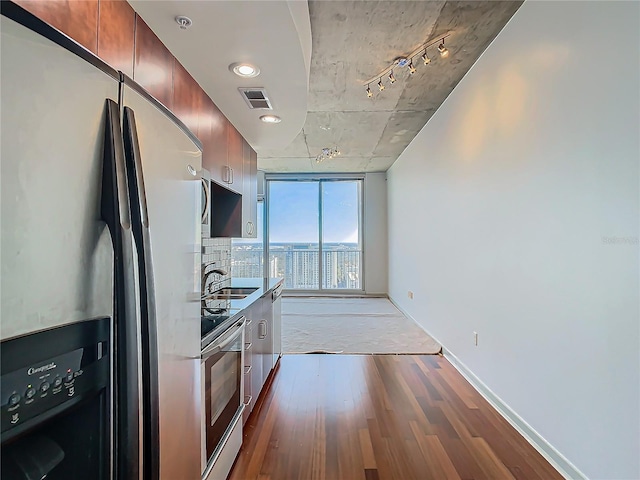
{"type": "Point", "coordinates": [116, 31]}
{"type": "Point", "coordinates": [77, 19]}
{"type": "Point", "coordinates": [249, 191]}
{"type": "Point", "coordinates": [187, 97]}
{"type": "Point", "coordinates": [216, 152]}
{"type": "Point", "coordinates": [235, 151]}
{"type": "Point", "coordinates": [153, 65]}
{"type": "Point", "coordinates": [204, 132]}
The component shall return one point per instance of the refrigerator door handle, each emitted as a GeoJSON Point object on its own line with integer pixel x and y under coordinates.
{"type": "Point", "coordinates": [115, 212]}
{"type": "Point", "coordinates": [149, 332]}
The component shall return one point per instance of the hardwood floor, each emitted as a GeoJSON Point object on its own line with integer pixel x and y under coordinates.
{"type": "Point", "coordinates": [380, 417]}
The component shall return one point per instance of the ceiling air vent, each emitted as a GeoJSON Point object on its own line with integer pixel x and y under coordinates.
{"type": "Point", "coordinates": [256, 98]}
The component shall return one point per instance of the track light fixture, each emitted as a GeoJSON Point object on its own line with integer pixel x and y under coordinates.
{"type": "Point", "coordinates": [425, 57]}
{"type": "Point", "coordinates": [407, 61]}
{"type": "Point", "coordinates": [327, 153]}
{"type": "Point", "coordinates": [444, 53]}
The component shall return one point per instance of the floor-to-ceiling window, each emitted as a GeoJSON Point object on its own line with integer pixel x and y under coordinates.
{"type": "Point", "coordinates": [314, 233]}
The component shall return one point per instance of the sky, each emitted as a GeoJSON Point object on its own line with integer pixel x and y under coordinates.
{"type": "Point", "coordinates": [294, 212]}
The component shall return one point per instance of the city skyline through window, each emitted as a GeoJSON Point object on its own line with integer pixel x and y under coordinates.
{"type": "Point", "coordinates": [314, 230]}
{"type": "Point", "coordinates": [314, 234]}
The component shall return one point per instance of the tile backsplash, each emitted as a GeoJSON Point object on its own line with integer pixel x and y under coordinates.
{"type": "Point", "coordinates": [216, 254]}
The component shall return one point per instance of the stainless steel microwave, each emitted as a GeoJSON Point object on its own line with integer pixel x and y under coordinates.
{"type": "Point", "coordinates": [206, 203]}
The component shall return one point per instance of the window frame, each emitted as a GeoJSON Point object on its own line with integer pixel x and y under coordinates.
{"type": "Point", "coordinates": [269, 177]}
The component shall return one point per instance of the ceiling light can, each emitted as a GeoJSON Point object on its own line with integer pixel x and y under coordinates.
{"type": "Point", "coordinates": [270, 119]}
{"type": "Point", "coordinates": [244, 70]}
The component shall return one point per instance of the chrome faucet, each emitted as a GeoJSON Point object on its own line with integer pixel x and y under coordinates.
{"type": "Point", "coordinates": [205, 277]}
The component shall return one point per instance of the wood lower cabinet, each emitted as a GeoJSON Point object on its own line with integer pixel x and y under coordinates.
{"type": "Point", "coordinates": [267, 347]}
{"type": "Point", "coordinates": [249, 399]}
{"type": "Point", "coordinates": [252, 359]}
{"type": "Point", "coordinates": [259, 349]}
{"type": "Point", "coordinates": [256, 371]}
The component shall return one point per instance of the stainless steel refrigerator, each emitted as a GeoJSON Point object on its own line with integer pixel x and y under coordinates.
{"type": "Point", "coordinates": [100, 217]}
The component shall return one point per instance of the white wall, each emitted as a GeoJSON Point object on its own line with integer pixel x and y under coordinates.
{"type": "Point", "coordinates": [502, 218]}
{"type": "Point", "coordinates": [375, 233]}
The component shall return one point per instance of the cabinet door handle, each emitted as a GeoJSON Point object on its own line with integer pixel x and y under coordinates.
{"type": "Point", "coordinates": [229, 174]}
{"type": "Point", "coordinates": [247, 369]}
{"type": "Point", "coordinates": [247, 346]}
{"type": "Point", "coordinates": [262, 329]}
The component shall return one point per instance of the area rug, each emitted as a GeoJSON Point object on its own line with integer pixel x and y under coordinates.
{"type": "Point", "coordinates": [350, 326]}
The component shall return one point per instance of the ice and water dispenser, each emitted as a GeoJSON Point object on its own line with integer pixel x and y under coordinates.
{"type": "Point", "coordinates": [55, 403]}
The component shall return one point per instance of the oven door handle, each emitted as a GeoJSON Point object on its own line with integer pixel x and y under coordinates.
{"type": "Point", "coordinates": [223, 340]}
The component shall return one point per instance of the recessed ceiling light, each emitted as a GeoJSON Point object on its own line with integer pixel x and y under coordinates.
{"type": "Point", "coordinates": [245, 70]}
{"type": "Point", "coordinates": [270, 119]}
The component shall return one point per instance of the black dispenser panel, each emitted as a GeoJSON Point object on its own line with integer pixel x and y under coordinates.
{"type": "Point", "coordinates": [55, 402]}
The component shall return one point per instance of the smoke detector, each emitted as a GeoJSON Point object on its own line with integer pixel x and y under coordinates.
{"type": "Point", "coordinates": [183, 22]}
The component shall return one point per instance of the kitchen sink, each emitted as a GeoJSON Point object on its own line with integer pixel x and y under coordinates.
{"type": "Point", "coordinates": [231, 293]}
{"type": "Point", "coordinates": [245, 291]}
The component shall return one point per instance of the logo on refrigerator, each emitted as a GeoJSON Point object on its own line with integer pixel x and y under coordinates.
{"type": "Point", "coordinates": [41, 369]}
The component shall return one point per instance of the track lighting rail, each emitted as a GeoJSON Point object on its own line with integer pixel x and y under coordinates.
{"type": "Point", "coordinates": [407, 62]}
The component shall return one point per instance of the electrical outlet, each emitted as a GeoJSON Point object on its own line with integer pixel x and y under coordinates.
{"type": "Point", "coordinates": [475, 338]}
{"type": "Point", "coordinates": [410, 294]}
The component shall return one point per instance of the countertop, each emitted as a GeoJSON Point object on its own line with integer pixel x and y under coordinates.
{"type": "Point", "coordinates": [264, 285]}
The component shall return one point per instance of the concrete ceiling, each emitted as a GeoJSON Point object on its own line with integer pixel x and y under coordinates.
{"type": "Point", "coordinates": [324, 104]}
{"type": "Point", "coordinates": [352, 41]}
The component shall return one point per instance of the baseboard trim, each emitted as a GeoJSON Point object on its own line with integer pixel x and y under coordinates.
{"type": "Point", "coordinates": [537, 441]}
{"type": "Point", "coordinates": [308, 294]}
{"type": "Point", "coordinates": [548, 451]}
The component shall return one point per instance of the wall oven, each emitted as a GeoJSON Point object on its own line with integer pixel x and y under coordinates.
{"type": "Point", "coordinates": [222, 366]}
